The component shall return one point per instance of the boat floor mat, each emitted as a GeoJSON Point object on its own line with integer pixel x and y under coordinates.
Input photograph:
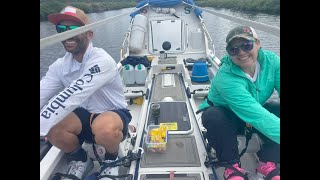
{"type": "Point", "coordinates": [168, 85]}
{"type": "Point", "coordinates": [181, 151]}
{"type": "Point", "coordinates": [171, 112]}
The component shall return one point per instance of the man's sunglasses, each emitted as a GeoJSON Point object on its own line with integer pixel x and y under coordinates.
{"type": "Point", "coordinates": [63, 28]}
{"type": "Point", "coordinates": [246, 47]}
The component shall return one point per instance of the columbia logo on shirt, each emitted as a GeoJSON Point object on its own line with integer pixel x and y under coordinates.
{"type": "Point", "coordinates": [94, 69]}
{"type": "Point", "coordinates": [59, 100]}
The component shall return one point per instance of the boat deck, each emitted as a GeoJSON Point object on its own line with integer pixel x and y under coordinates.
{"type": "Point", "coordinates": [168, 84]}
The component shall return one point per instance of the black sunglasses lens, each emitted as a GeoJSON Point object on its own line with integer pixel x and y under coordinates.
{"type": "Point", "coordinates": [234, 51]}
{"type": "Point", "coordinates": [246, 47]}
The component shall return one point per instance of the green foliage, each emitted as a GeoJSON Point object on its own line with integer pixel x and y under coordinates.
{"type": "Point", "coordinates": [263, 6]}
{"type": "Point", "coordinates": [88, 6]}
{"type": "Point", "coordinates": [49, 7]}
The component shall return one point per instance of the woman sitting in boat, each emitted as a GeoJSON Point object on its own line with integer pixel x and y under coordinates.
{"type": "Point", "coordinates": [90, 107]}
{"type": "Point", "coordinates": [237, 100]}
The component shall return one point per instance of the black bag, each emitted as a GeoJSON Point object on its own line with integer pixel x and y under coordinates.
{"type": "Point", "coordinates": [134, 60]}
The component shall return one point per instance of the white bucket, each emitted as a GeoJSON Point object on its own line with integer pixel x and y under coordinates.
{"type": "Point", "coordinates": [139, 27]}
{"type": "Point", "coordinates": [128, 74]}
{"type": "Point", "coordinates": [140, 74]}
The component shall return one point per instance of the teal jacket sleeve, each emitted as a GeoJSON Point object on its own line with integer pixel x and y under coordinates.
{"type": "Point", "coordinates": [277, 74]}
{"type": "Point", "coordinates": [240, 101]}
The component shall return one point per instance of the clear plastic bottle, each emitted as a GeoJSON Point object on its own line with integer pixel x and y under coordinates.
{"type": "Point", "coordinates": [128, 74]}
{"type": "Point", "coordinates": [140, 74]}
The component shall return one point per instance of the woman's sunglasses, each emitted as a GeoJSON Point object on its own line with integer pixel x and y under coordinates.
{"type": "Point", "coordinates": [63, 28]}
{"type": "Point", "coordinates": [246, 47]}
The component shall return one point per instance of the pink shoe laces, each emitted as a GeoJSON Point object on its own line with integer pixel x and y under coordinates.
{"type": "Point", "coordinates": [229, 171]}
{"type": "Point", "coordinates": [266, 168]}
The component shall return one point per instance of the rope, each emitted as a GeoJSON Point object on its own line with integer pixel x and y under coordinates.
{"type": "Point", "coordinates": [256, 25]}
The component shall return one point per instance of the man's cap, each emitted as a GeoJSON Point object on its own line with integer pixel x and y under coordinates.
{"type": "Point", "coordinates": [245, 32]}
{"type": "Point", "coordinates": [69, 13]}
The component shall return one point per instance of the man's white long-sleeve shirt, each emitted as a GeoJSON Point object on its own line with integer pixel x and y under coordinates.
{"type": "Point", "coordinates": [95, 84]}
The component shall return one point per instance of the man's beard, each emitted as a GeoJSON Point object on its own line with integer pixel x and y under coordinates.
{"type": "Point", "coordinates": [81, 46]}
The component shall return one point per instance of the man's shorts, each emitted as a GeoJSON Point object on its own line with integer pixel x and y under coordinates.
{"type": "Point", "coordinates": [86, 132]}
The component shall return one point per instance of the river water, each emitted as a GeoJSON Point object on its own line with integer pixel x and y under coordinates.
{"type": "Point", "coordinates": [110, 36]}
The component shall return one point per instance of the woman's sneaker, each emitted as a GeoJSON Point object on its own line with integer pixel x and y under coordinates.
{"type": "Point", "coordinates": [109, 172]}
{"type": "Point", "coordinates": [268, 171]}
{"type": "Point", "coordinates": [79, 169]}
{"type": "Point", "coordinates": [235, 173]}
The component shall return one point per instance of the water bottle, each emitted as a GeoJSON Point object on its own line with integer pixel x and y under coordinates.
{"type": "Point", "coordinates": [140, 74]}
{"type": "Point", "coordinates": [128, 74]}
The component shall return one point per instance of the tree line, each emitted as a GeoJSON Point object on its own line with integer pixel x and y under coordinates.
{"type": "Point", "coordinates": [256, 6]}
{"type": "Point", "coordinates": [89, 6]}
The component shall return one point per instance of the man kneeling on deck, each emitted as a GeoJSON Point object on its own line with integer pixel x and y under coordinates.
{"type": "Point", "coordinates": [91, 105]}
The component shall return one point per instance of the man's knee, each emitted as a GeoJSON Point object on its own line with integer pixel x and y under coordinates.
{"type": "Point", "coordinates": [56, 134]}
{"type": "Point", "coordinates": [107, 125]}
{"type": "Point", "coordinates": [70, 124]}
{"type": "Point", "coordinates": [108, 130]}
